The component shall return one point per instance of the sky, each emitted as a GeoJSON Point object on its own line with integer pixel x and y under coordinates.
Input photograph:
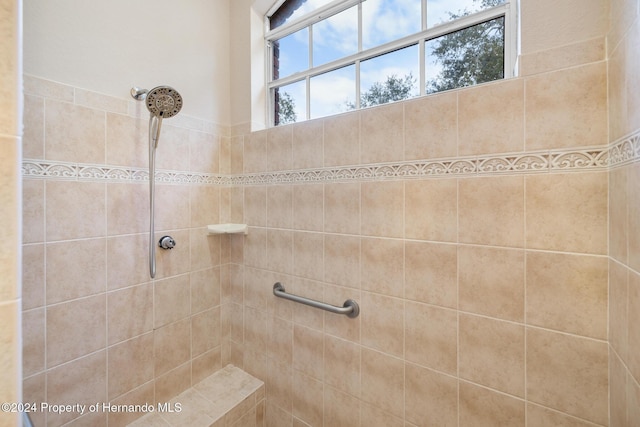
{"type": "Point", "coordinates": [337, 36]}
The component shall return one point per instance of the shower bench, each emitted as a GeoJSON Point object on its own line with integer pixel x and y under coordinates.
{"type": "Point", "coordinates": [228, 398]}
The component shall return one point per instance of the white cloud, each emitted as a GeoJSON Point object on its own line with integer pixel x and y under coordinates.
{"type": "Point", "coordinates": [385, 20]}
{"type": "Point", "coordinates": [438, 10]}
{"type": "Point", "coordinates": [382, 21]}
{"type": "Point", "coordinates": [330, 92]}
{"type": "Point", "coordinates": [335, 37]}
{"type": "Point", "coordinates": [339, 32]}
{"type": "Point", "coordinates": [400, 63]}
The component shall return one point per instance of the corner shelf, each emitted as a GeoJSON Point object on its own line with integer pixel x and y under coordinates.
{"type": "Point", "coordinates": [228, 229]}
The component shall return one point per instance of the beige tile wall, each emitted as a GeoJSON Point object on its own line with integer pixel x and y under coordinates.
{"type": "Point", "coordinates": [484, 299]}
{"type": "Point", "coordinates": [96, 327]}
{"type": "Point", "coordinates": [10, 206]}
{"type": "Point", "coordinates": [624, 226]}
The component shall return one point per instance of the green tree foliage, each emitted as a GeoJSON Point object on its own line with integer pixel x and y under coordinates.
{"type": "Point", "coordinates": [470, 56]}
{"type": "Point", "coordinates": [393, 89]}
{"type": "Point", "coordinates": [467, 57]}
{"type": "Point", "coordinates": [286, 112]}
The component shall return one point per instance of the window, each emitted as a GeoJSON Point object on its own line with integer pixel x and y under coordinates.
{"type": "Point", "coordinates": [326, 57]}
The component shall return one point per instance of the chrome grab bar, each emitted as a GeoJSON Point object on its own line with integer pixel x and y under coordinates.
{"type": "Point", "coordinates": [350, 307]}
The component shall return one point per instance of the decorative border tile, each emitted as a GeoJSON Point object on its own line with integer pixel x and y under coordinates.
{"type": "Point", "coordinates": [625, 150]}
{"type": "Point", "coordinates": [84, 172]}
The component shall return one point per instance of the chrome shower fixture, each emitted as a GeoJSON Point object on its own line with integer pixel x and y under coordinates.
{"type": "Point", "coordinates": [162, 102]}
{"type": "Point", "coordinates": [138, 94]}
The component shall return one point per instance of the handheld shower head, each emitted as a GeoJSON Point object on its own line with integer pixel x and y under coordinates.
{"type": "Point", "coordinates": [164, 102]}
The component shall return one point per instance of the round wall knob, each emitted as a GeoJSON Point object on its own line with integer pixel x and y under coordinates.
{"type": "Point", "coordinates": [167, 242]}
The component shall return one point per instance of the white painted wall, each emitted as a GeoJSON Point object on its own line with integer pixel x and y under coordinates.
{"type": "Point", "coordinates": [109, 46]}
{"type": "Point", "coordinates": [248, 104]}
{"type": "Point", "coordinates": [211, 51]}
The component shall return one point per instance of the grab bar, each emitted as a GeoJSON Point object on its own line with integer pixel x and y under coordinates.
{"type": "Point", "coordinates": [350, 307]}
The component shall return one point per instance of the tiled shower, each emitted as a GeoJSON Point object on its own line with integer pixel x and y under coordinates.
{"type": "Point", "coordinates": [86, 236]}
{"type": "Point", "coordinates": [490, 236]}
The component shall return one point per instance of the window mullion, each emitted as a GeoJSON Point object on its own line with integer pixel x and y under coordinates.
{"type": "Point", "coordinates": [359, 27]}
{"type": "Point", "coordinates": [357, 64]}
{"type": "Point", "coordinates": [269, 77]}
{"type": "Point", "coordinates": [510, 43]}
{"type": "Point", "coordinates": [308, 78]}
{"type": "Point", "coordinates": [310, 47]}
{"type": "Point", "coordinates": [423, 67]}
{"type": "Point", "coordinates": [431, 33]}
{"type": "Point", "coordinates": [308, 100]}
{"type": "Point", "coordinates": [506, 54]}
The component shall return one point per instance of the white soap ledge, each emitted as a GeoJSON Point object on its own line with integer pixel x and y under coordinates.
{"type": "Point", "coordinates": [228, 229]}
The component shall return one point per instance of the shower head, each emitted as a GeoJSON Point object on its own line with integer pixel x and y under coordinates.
{"type": "Point", "coordinates": [164, 102]}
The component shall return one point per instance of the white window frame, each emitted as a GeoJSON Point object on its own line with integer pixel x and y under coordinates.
{"type": "Point", "coordinates": [508, 10]}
